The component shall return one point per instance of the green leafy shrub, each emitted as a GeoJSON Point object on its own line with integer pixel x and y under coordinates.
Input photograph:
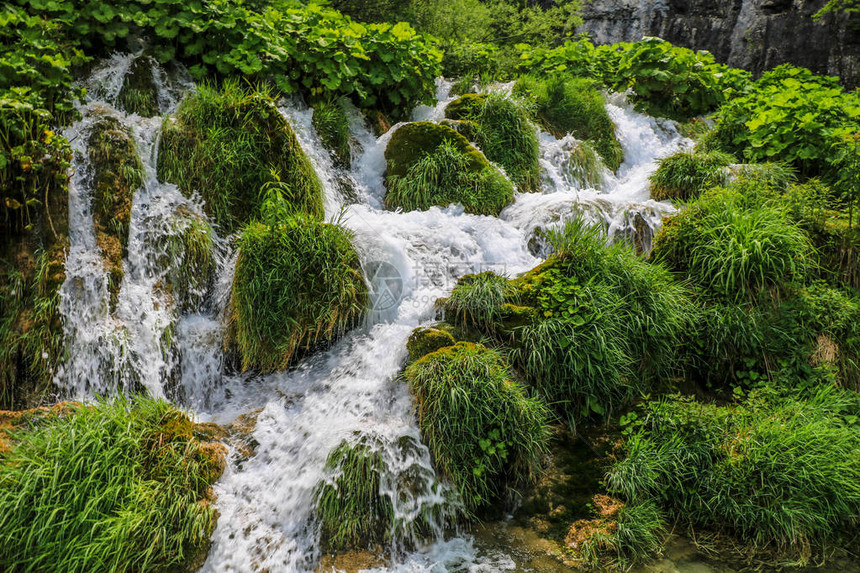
{"type": "Point", "coordinates": [789, 115]}
{"type": "Point", "coordinates": [298, 284]}
{"type": "Point", "coordinates": [733, 250]}
{"type": "Point", "coordinates": [332, 126]}
{"type": "Point", "coordinates": [687, 173]}
{"type": "Point", "coordinates": [228, 143]}
{"type": "Point", "coordinates": [484, 433]}
{"type": "Point", "coordinates": [574, 105]}
{"type": "Point", "coordinates": [504, 133]}
{"type": "Point", "coordinates": [774, 470]}
{"type": "Point", "coordinates": [448, 175]}
{"type": "Point", "coordinates": [97, 487]}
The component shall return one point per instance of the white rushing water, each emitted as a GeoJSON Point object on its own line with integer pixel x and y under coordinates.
{"type": "Point", "coordinates": [351, 391]}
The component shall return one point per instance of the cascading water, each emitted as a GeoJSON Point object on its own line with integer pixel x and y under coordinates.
{"type": "Point", "coordinates": [351, 391]}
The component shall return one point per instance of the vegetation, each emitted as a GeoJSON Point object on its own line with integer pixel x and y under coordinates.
{"type": "Point", "coordinates": [572, 105]}
{"type": "Point", "coordinates": [776, 469]}
{"type": "Point", "coordinates": [332, 126]}
{"type": "Point", "coordinates": [227, 144]}
{"type": "Point", "coordinates": [423, 341]}
{"type": "Point", "coordinates": [298, 284]}
{"type": "Point", "coordinates": [504, 133]}
{"type": "Point", "coordinates": [686, 174]}
{"type": "Point", "coordinates": [188, 254]}
{"type": "Point", "coordinates": [484, 433]}
{"type": "Point", "coordinates": [139, 93]}
{"type": "Point", "coordinates": [99, 487]}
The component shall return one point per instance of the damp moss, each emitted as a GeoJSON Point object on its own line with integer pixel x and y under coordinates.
{"type": "Point", "coordinates": [574, 105]}
{"type": "Point", "coordinates": [228, 143]}
{"type": "Point", "coordinates": [139, 94]}
{"type": "Point", "coordinates": [298, 285]}
{"type": "Point", "coordinates": [117, 172]}
{"type": "Point", "coordinates": [414, 141]}
{"type": "Point", "coordinates": [585, 166]}
{"type": "Point", "coordinates": [485, 434]}
{"type": "Point", "coordinates": [423, 341]}
{"type": "Point", "coordinates": [128, 480]}
{"type": "Point", "coordinates": [505, 134]}
{"type": "Point", "coordinates": [332, 126]}
{"type": "Point", "coordinates": [188, 253]}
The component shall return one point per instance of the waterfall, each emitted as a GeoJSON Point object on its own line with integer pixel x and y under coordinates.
{"type": "Point", "coordinates": [350, 390]}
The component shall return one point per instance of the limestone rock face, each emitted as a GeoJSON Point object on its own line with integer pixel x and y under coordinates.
{"type": "Point", "coordinates": [753, 34]}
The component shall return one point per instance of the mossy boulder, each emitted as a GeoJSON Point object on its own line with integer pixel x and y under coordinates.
{"type": "Point", "coordinates": [584, 166]}
{"type": "Point", "coordinates": [423, 341]}
{"type": "Point", "coordinates": [188, 255]}
{"type": "Point", "coordinates": [432, 164]}
{"type": "Point", "coordinates": [129, 481]}
{"type": "Point", "coordinates": [229, 144]}
{"type": "Point", "coordinates": [139, 93]}
{"type": "Point", "coordinates": [484, 432]}
{"type": "Point", "coordinates": [686, 174]}
{"type": "Point", "coordinates": [298, 286]}
{"type": "Point", "coordinates": [117, 172]}
{"type": "Point", "coordinates": [504, 132]}
{"type": "Point", "coordinates": [332, 126]}
{"type": "Point", "coordinates": [574, 105]}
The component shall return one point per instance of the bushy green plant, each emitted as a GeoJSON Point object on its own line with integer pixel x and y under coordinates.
{"type": "Point", "coordinates": [332, 126]}
{"type": "Point", "coordinates": [477, 300]}
{"type": "Point", "coordinates": [775, 470]}
{"type": "Point", "coordinates": [504, 133]}
{"type": "Point", "coordinates": [484, 433]}
{"type": "Point", "coordinates": [448, 175]}
{"type": "Point", "coordinates": [638, 533]}
{"type": "Point", "coordinates": [789, 115]}
{"type": "Point", "coordinates": [228, 143]}
{"type": "Point", "coordinates": [188, 255]}
{"type": "Point", "coordinates": [585, 166]}
{"type": "Point", "coordinates": [567, 104]}
{"type": "Point", "coordinates": [298, 284]}
{"type": "Point", "coordinates": [98, 487]}
{"type": "Point", "coordinates": [687, 173]}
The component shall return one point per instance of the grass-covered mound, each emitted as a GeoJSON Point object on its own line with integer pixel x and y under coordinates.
{"type": "Point", "coordinates": [777, 471]}
{"type": "Point", "coordinates": [138, 93]}
{"type": "Point", "coordinates": [431, 164]}
{"type": "Point", "coordinates": [686, 174]}
{"type": "Point", "coordinates": [354, 510]}
{"type": "Point", "coordinates": [423, 341]}
{"type": "Point", "coordinates": [504, 132]}
{"type": "Point", "coordinates": [188, 254]}
{"type": "Point", "coordinates": [485, 434]}
{"type": "Point", "coordinates": [589, 328]}
{"type": "Point", "coordinates": [99, 487]}
{"type": "Point", "coordinates": [117, 172]}
{"type": "Point", "coordinates": [332, 125]}
{"type": "Point", "coordinates": [227, 143]}
{"type": "Point", "coordinates": [298, 284]}
{"type": "Point", "coordinates": [584, 166]}
{"type": "Point", "coordinates": [566, 104]}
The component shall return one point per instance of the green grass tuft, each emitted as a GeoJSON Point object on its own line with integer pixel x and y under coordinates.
{"type": "Point", "coordinates": [478, 300]}
{"type": "Point", "coordinates": [139, 93]}
{"type": "Point", "coordinates": [574, 105]}
{"type": "Point", "coordinates": [298, 284]}
{"type": "Point", "coordinates": [585, 167]}
{"type": "Point", "coordinates": [686, 174]}
{"type": "Point", "coordinates": [332, 126]}
{"type": "Point", "coordinates": [484, 433]}
{"type": "Point", "coordinates": [227, 143]}
{"type": "Point", "coordinates": [104, 486]}
{"type": "Point", "coordinates": [447, 175]}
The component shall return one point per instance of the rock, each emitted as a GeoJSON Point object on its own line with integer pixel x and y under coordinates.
{"type": "Point", "coordinates": [423, 341]}
{"type": "Point", "coordinates": [139, 93]}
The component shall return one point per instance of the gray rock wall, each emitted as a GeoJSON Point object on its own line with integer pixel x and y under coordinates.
{"type": "Point", "coordinates": [753, 34]}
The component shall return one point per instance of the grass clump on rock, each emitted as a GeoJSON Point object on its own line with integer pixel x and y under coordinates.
{"type": "Point", "coordinates": [484, 433]}
{"type": "Point", "coordinates": [97, 487]}
{"type": "Point", "coordinates": [332, 126]}
{"type": "Point", "coordinates": [139, 93]}
{"type": "Point", "coordinates": [574, 105]}
{"type": "Point", "coordinates": [188, 253]}
{"type": "Point", "coordinates": [504, 133]}
{"type": "Point", "coordinates": [117, 172]}
{"type": "Point", "coordinates": [298, 284]}
{"type": "Point", "coordinates": [227, 143]}
{"type": "Point", "coordinates": [686, 174]}
{"type": "Point", "coordinates": [431, 164]}
{"type": "Point", "coordinates": [777, 470]}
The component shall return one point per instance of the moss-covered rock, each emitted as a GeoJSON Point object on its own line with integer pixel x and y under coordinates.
{"type": "Point", "coordinates": [504, 133]}
{"type": "Point", "coordinates": [117, 172]}
{"type": "Point", "coordinates": [139, 93]}
{"type": "Point", "coordinates": [414, 141]}
{"type": "Point", "coordinates": [298, 285]}
{"type": "Point", "coordinates": [129, 481]}
{"type": "Point", "coordinates": [332, 125]}
{"type": "Point", "coordinates": [485, 434]}
{"type": "Point", "coordinates": [576, 106]}
{"type": "Point", "coordinates": [228, 144]}
{"type": "Point", "coordinates": [188, 254]}
{"type": "Point", "coordinates": [584, 166]}
{"type": "Point", "coordinates": [423, 341]}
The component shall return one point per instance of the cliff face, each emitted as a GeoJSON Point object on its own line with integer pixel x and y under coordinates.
{"type": "Point", "coordinates": [753, 34]}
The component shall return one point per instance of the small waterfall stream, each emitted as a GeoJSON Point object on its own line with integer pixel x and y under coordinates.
{"type": "Point", "coordinates": [349, 391]}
